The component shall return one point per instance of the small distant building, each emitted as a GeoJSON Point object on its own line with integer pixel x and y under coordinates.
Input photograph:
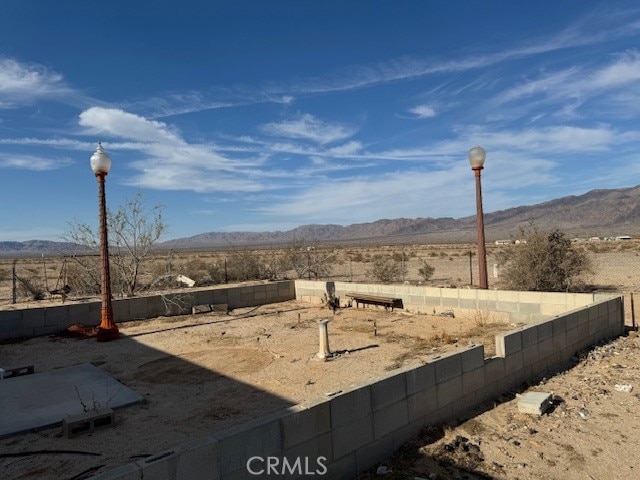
{"type": "Point", "coordinates": [594, 239]}
{"type": "Point", "coordinates": [623, 237]}
{"type": "Point", "coordinates": [519, 242]}
{"type": "Point", "coordinates": [504, 242]}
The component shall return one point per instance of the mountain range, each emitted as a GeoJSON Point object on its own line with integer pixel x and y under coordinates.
{"type": "Point", "coordinates": [609, 212]}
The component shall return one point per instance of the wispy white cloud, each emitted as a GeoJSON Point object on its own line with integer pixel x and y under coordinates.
{"type": "Point", "coordinates": [24, 83]}
{"type": "Point", "coordinates": [31, 162]}
{"type": "Point", "coordinates": [423, 111]}
{"type": "Point", "coordinates": [444, 192]}
{"type": "Point", "coordinates": [346, 149]}
{"type": "Point", "coordinates": [308, 127]}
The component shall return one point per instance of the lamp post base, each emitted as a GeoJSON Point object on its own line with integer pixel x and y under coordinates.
{"type": "Point", "coordinates": [107, 334]}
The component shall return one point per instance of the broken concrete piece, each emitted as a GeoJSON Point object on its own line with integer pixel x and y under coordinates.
{"type": "Point", "coordinates": [535, 403]}
{"type": "Point", "coordinates": [624, 388]}
{"type": "Point", "coordinates": [185, 280]}
{"type": "Point", "coordinates": [87, 422]}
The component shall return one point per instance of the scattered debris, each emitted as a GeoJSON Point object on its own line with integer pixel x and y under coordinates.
{"type": "Point", "coordinates": [383, 470]}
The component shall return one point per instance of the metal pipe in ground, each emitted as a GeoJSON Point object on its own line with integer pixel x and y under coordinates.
{"type": "Point", "coordinates": [633, 312]}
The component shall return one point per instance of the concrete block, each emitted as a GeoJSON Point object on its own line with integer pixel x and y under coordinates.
{"type": "Point", "coordinates": [560, 341]}
{"type": "Point", "coordinates": [199, 459]}
{"type": "Point", "coordinates": [422, 403]}
{"type": "Point", "coordinates": [9, 326]}
{"type": "Point", "coordinates": [530, 355]}
{"type": "Point", "coordinates": [161, 466]}
{"type": "Point", "coordinates": [603, 308]}
{"type": "Point", "coordinates": [317, 450]}
{"type": "Point", "coordinates": [508, 343]}
{"type": "Point", "coordinates": [87, 422]}
{"type": "Point", "coordinates": [616, 317]}
{"type": "Point", "coordinates": [49, 330]}
{"type": "Point", "coordinates": [415, 300]}
{"type": "Point", "coordinates": [494, 369]}
{"type": "Point", "coordinates": [406, 433]}
{"type": "Point", "coordinates": [583, 316]}
{"type": "Point", "coordinates": [351, 436]}
{"type": "Point", "coordinates": [344, 468]}
{"type": "Point", "coordinates": [390, 418]}
{"type": "Point", "coordinates": [473, 380]}
{"type": "Point", "coordinates": [490, 305]}
{"type": "Point", "coordinates": [373, 453]}
{"type": "Point", "coordinates": [470, 304]}
{"type": "Point", "coordinates": [529, 336]}
{"type": "Point", "coordinates": [304, 423]}
{"type": "Point", "coordinates": [530, 297]}
{"type": "Point", "coordinates": [448, 366]}
{"type": "Point", "coordinates": [259, 438]}
{"type": "Point", "coordinates": [472, 358]}
{"type": "Point", "coordinates": [138, 308]}
{"type": "Point", "coordinates": [420, 378]}
{"type": "Point", "coordinates": [596, 324]}
{"type": "Point", "coordinates": [155, 306]}
{"type": "Point", "coordinates": [510, 307]}
{"type": "Point", "coordinates": [545, 330]}
{"type": "Point", "coordinates": [529, 308]}
{"type": "Point", "coordinates": [350, 406]}
{"type": "Point", "coordinates": [535, 403]}
{"type": "Point", "coordinates": [593, 312]}
{"type": "Point", "coordinates": [449, 391]}
{"type": "Point", "coordinates": [439, 416]}
{"type": "Point", "coordinates": [120, 309]}
{"type": "Point", "coordinates": [540, 367]}
{"type": "Point", "coordinates": [513, 363]}
{"type": "Point", "coordinates": [54, 316]}
{"type": "Point", "coordinates": [572, 320]}
{"type": "Point", "coordinates": [464, 405]}
{"type": "Point", "coordinates": [388, 390]}
{"type": "Point", "coordinates": [34, 318]}
{"type": "Point", "coordinates": [559, 325]}
{"type": "Point", "coordinates": [572, 336]}
{"type": "Point", "coordinates": [81, 314]}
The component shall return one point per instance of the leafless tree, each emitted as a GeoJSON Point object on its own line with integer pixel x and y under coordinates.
{"type": "Point", "coordinates": [133, 231]}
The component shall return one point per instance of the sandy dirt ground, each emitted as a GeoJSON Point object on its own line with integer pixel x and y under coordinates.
{"type": "Point", "coordinates": [203, 373]}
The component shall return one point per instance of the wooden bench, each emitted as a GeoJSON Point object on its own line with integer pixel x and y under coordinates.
{"type": "Point", "coordinates": [386, 302]}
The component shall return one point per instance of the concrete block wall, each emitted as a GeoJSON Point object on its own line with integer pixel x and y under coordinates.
{"type": "Point", "coordinates": [48, 320]}
{"type": "Point", "coordinates": [351, 432]}
{"type": "Point", "coordinates": [514, 305]}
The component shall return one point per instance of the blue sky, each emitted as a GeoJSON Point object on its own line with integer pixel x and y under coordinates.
{"type": "Point", "coordinates": [267, 115]}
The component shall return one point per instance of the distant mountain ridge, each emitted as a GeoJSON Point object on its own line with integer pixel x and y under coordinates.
{"type": "Point", "coordinates": [609, 212]}
{"type": "Point", "coordinates": [597, 212]}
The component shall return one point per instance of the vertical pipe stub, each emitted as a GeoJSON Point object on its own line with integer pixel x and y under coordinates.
{"type": "Point", "coordinates": [323, 336]}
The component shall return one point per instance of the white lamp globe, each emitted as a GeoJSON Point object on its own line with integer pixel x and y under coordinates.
{"type": "Point", "coordinates": [476, 157]}
{"type": "Point", "coordinates": [100, 161]}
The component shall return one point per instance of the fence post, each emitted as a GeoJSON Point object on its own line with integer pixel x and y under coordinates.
{"type": "Point", "coordinates": [13, 283]}
{"type": "Point", "coordinates": [633, 312]}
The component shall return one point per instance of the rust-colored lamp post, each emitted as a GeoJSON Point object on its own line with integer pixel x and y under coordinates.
{"type": "Point", "coordinates": [108, 330]}
{"type": "Point", "coordinates": [477, 156]}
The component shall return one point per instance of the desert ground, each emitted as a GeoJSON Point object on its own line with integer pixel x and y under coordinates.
{"type": "Point", "coordinates": [203, 373]}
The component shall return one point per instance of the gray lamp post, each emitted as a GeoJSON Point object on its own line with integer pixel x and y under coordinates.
{"type": "Point", "coordinates": [477, 156]}
{"type": "Point", "coordinates": [108, 330]}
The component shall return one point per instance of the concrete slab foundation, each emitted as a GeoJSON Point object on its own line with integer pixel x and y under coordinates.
{"type": "Point", "coordinates": [42, 400]}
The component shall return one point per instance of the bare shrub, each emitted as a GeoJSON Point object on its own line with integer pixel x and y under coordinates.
{"type": "Point", "coordinates": [32, 289]}
{"type": "Point", "coordinates": [387, 271]}
{"type": "Point", "coordinates": [426, 270]}
{"type": "Point", "coordinates": [244, 265]}
{"type": "Point", "coordinates": [548, 262]}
